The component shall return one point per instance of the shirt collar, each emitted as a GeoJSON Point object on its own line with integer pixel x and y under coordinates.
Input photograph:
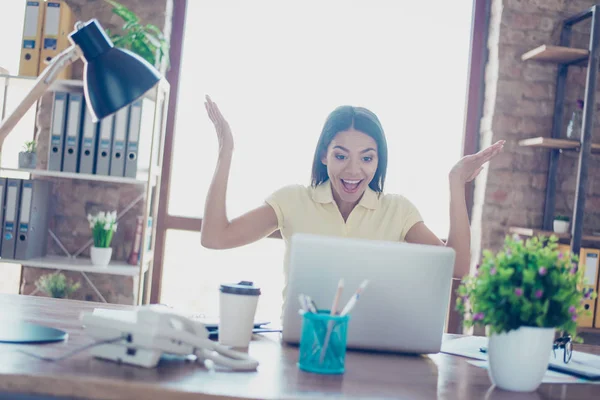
{"type": "Point", "coordinates": [322, 194]}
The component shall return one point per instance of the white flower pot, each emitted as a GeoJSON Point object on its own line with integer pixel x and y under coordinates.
{"type": "Point", "coordinates": [100, 255]}
{"type": "Point", "coordinates": [519, 359]}
{"type": "Point", "coordinates": [560, 226]}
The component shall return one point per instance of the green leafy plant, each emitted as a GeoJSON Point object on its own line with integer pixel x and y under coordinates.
{"type": "Point", "coordinates": [57, 285]}
{"type": "Point", "coordinates": [561, 218]}
{"type": "Point", "coordinates": [527, 283]}
{"type": "Point", "coordinates": [103, 226]}
{"type": "Point", "coordinates": [147, 40]}
{"type": "Point", "coordinates": [30, 146]}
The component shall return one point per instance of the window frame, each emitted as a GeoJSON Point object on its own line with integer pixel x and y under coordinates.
{"type": "Point", "coordinates": [474, 109]}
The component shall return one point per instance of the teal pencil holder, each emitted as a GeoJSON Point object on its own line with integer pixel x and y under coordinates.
{"type": "Point", "coordinates": [322, 352]}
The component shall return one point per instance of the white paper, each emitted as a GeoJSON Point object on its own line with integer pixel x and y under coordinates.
{"type": "Point", "coordinates": [549, 377]}
{"type": "Point", "coordinates": [469, 346]}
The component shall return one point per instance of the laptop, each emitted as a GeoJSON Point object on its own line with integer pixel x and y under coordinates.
{"type": "Point", "coordinates": [404, 306]}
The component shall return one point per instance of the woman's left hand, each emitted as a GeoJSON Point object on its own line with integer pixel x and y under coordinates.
{"type": "Point", "coordinates": [470, 166]}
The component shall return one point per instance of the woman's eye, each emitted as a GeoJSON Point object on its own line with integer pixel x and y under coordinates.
{"type": "Point", "coordinates": [367, 159]}
{"type": "Point", "coordinates": [340, 156]}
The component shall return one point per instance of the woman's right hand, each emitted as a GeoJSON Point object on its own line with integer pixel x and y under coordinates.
{"type": "Point", "coordinates": [221, 125]}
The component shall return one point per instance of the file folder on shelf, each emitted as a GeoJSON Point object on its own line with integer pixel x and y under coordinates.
{"type": "Point", "coordinates": [104, 147]}
{"type": "Point", "coordinates": [33, 219]}
{"type": "Point", "coordinates": [31, 42]}
{"type": "Point", "coordinates": [117, 161]}
{"type": "Point", "coordinates": [588, 261]}
{"type": "Point", "coordinates": [11, 215]}
{"type": "Point", "coordinates": [59, 22]}
{"type": "Point", "coordinates": [133, 134]}
{"type": "Point", "coordinates": [57, 130]}
{"type": "Point", "coordinates": [89, 138]}
{"type": "Point", "coordinates": [148, 119]}
{"type": "Point", "coordinates": [2, 196]}
{"type": "Point", "coordinates": [72, 133]}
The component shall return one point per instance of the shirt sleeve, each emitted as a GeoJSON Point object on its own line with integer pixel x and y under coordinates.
{"type": "Point", "coordinates": [283, 202]}
{"type": "Point", "coordinates": [411, 216]}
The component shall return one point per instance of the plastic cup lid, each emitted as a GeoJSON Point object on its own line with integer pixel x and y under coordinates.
{"type": "Point", "coordinates": [243, 287]}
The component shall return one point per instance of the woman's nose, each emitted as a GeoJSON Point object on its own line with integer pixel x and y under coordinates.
{"type": "Point", "coordinates": [353, 167]}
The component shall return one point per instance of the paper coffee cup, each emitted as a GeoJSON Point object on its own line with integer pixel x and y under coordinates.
{"type": "Point", "coordinates": [237, 308]}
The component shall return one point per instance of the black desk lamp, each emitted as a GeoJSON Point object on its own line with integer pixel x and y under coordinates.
{"type": "Point", "coordinates": [113, 78]}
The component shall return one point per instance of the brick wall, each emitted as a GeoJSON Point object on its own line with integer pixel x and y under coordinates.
{"type": "Point", "coordinates": [74, 199]}
{"type": "Point", "coordinates": [519, 101]}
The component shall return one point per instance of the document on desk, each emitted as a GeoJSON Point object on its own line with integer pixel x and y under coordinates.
{"type": "Point", "coordinates": [549, 377]}
{"type": "Point", "coordinates": [582, 365]}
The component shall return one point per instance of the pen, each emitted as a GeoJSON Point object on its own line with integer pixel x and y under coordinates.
{"type": "Point", "coordinates": [352, 302]}
{"type": "Point", "coordinates": [311, 304]}
{"type": "Point", "coordinates": [333, 311]}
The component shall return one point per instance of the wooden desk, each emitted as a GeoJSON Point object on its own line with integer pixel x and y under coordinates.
{"type": "Point", "coordinates": [367, 375]}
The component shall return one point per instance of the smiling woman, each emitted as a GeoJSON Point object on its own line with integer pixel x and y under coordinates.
{"type": "Point", "coordinates": [352, 152]}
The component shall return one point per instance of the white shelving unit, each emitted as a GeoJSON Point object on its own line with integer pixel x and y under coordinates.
{"type": "Point", "coordinates": [147, 178]}
{"type": "Point", "coordinates": [74, 175]}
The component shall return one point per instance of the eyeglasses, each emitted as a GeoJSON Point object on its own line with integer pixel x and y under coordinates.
{"type": "Point", "coordinates": [565, 343]}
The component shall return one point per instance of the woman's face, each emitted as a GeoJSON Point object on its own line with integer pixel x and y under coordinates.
{"type": "Point", "coordinates": [351, 161]}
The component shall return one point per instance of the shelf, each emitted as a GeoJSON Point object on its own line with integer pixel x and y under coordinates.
{"type": "Point", "coordinates": [68, 85]}
{"type": "Point", "coordinates": [79, 264]}
{"type": "Point", "coordinates": [556, 54]}
{"type": "Point", "coordinates": [549, 143]}
{"type": "Point", "coordinates": [535, 232]}
{"type": "Point", "coordinates": [75, 175]}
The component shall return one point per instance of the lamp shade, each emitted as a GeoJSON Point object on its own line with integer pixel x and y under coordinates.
{"type": "Point", "coordinates": [112, 78]}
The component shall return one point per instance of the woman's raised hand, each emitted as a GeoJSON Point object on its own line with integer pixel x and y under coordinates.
{"type": "Point", "coordinates": [221, 125]}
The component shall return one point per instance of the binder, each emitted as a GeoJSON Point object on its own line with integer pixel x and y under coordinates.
{"type": "Point", "coordinates": [147, 121]}
{"type": "Point", "coordinates": [33, 219]}
{"type": "Point", "coordinates": [72, 131]}
{"type": "Point", "coordinates": [2, 196]}
{"type": "Point", "coordinates": [588, 261]}
{"type": "Point", "coordinates": [11, 214]}
{"type": "Point", "coordinates": [58, 24]}
{"type": "Point", "coordinates": [133, 134]}
{"type": "Point", "coordinates": [103, 149]}
{"type": "Point", "coordinates": [117, 161]}
{"type": "Point", "coordinates": [57, 129]}
{"type": "Point", "coordinates": [32, 38]}
{"type": "Point", "coordinates": [87, 156]}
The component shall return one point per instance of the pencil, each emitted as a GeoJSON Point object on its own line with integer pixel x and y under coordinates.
{"type": "Point", "coordinates": [332, 312]}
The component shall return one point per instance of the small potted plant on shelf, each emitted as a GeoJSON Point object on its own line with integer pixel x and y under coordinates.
{"type": "Point", "coordinates": [561, 224]}
{"type": "Point", "coordinates": [103, 226]}
{"type": "Point", "coordinates": [523, 295]}
{"type": "Point", "coordinates": [28, 157]}
{"type": "Point", "coordinates": [56, 285]}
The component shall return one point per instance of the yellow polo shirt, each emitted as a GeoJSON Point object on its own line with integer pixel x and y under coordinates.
{"type": "Point", "coordinates": [302, 209]}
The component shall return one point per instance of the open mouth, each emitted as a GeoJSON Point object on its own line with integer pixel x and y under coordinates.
{"type": "Point", "coordinates": [351, 186]}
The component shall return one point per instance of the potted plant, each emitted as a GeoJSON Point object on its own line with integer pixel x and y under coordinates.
{"type": "Point", "coordinates": [522, 295]}
{"type": "Point", "coordinates": [56, 285]}
{"type": "Point", "coordinates": [561, 224]}
{"type": "Point", "coordinates": [147, 41]}
{"type": "Point", "coordinates": [103, 226]}
{"type": "Point", "coordinates": [28, 157]}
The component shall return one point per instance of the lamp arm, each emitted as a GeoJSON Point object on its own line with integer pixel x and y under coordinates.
{"type": "Point", "coordinates": [58, 63]}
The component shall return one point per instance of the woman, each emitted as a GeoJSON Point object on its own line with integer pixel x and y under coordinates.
{"type": "Point", "coordinates": [346, 195]}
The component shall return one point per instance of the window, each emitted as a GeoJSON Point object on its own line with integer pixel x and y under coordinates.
{"type": "Point", "coordinates": [276, 70]}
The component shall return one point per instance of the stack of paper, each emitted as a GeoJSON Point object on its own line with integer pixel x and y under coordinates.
{"type": "Point", "coordinates": [583, 367]}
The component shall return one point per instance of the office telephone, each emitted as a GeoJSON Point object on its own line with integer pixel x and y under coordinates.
{"type": "Point", "coordinates": [142, 336]}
